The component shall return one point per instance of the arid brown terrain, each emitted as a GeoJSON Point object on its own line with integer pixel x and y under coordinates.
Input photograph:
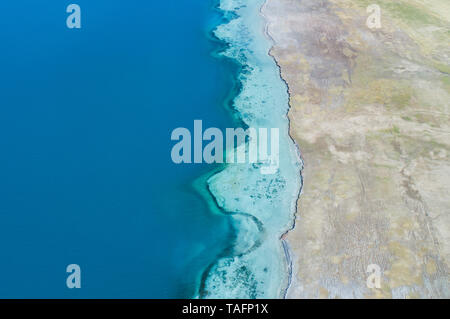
{"type": "Point", "coordinates": [370, 113]}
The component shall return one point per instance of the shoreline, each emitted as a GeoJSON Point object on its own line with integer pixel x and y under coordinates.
{"type": "Point", "coordinates": [247, 272]}
{"type": "Point", "coordinates": [285, 243]}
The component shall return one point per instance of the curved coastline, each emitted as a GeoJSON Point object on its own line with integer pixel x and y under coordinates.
{"type": "Point", "coordinates": [287, 249]}
{"type": "Point", "coordinates": [262, 208]}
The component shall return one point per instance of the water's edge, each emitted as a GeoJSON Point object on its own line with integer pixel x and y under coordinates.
{"type": "Point", "coordinates": [287, 249]}
{"type": "Point", "coordinates": [262, 207]}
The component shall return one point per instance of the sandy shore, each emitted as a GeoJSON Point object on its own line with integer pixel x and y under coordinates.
{"type": "Point", "coordinates": [370, 113]}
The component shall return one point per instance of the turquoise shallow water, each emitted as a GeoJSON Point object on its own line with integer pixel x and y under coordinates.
{"type": "Point", "coordinates": [261, 206]}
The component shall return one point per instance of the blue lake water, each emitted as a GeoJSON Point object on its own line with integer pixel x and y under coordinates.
{"type": "Point", "coordinates": [85, 170]}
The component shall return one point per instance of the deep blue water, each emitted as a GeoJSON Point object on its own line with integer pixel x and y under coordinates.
{"type": "Point", "coordinates": [85, 170]}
